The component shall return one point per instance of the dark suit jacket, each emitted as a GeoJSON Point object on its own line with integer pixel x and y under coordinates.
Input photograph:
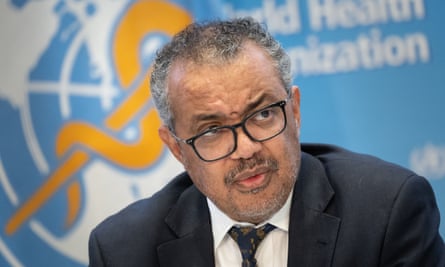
{"type": "Point", "coordinates": [347, 210]}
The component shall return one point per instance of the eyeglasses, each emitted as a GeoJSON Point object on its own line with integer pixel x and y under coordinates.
{"type": "Point", "coordinates": [219, 142]}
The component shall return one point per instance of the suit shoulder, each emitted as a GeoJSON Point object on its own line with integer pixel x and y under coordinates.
{"type": "Point", "coordinates": [130, 237]}
{"type": "Point", "coordinates": [344, 167]}
{"type": "Point", "coordinates": [149, 211]}
{"type": "Point", "coordinates": [366, 185]}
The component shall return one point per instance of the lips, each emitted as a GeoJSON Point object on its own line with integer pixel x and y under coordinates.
{"type": "Point", "coordinates": [253, 180]}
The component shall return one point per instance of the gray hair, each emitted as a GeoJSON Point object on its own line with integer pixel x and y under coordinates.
{"type": "Point", "coordinates": [212, 43]}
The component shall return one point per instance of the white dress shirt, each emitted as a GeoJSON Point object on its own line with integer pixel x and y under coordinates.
{"type": "Point", "coordinates": [272, 251]}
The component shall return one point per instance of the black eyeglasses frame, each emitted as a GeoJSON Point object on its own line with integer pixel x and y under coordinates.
{"type": "Point", "coordinates": [191, 141]}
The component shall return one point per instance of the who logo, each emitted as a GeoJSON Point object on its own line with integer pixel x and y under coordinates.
{"type": "Point", "coordinates": [78, 133]}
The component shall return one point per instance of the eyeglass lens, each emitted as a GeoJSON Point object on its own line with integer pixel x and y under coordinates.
{"type": "Point", "coordinates": [260, 126]}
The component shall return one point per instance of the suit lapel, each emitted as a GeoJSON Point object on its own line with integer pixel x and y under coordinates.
{"type": "Point", "coordinates": [190, 221]}
{"type": "Point", "coordinates": [312, 232]}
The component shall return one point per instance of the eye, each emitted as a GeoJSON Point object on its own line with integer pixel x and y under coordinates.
{"type": "Point", "coordinates": [263, 114]}
{"type": "Point", "coordinates": [210, 131]}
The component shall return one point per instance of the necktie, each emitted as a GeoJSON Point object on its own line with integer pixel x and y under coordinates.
{"type": "Point", "coordinates": [248, 239]}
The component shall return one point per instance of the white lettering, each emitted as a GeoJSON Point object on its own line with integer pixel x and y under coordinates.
{"type": "Point", "coordinates": [417, 47]}
{"type": "Point", "coordinates": [333, 14]}
{"type": "Point", "coordinates": [280, 19]}
{"type": "Point", "coordinates": [405, 10]}
{"type": "Point", "coordinates": [346, 59]}
{"type": "Point", "coordinates": [394, 51]}
{"type": "Point", "coordinates": [368, 51]}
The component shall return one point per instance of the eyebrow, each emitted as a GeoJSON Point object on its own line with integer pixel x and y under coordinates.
{"type": "Point", "coordinates": [217, 116]}
{"type": "Point", "coordinates": [253, 105]}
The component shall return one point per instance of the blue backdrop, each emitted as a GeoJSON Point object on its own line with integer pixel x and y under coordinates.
{"type": "Point", "coordinates": [78, 134]}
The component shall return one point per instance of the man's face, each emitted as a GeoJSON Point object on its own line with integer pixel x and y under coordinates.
{"type": "Point", "coordinates": [254, 181]}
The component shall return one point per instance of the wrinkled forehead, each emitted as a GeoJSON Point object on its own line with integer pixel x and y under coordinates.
{"type": "Point", "coordinates": [250, 65]}
{"type": "Point", "coordinates": [224, 88]}
{"type": "Point", "coordinates": [211, 55]}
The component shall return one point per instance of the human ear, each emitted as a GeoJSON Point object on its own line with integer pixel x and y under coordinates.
{"type": "Point", "coordinates": [171, 142]}
{"type": "Point", "coordinates": [295, 98]}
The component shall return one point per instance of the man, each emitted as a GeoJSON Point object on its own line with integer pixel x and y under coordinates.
{"type": "Point", "coordinates": [231, 117]}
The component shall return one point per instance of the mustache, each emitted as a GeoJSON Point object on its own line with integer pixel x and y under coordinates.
{"type": "Point", "coordinates": [247, 164]}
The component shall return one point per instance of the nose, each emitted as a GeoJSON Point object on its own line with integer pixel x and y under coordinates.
{"type": "Point", "coordinates": [246, 147]}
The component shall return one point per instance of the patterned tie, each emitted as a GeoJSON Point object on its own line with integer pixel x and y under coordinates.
{"type": "Point", "coordinates": [248, 239]}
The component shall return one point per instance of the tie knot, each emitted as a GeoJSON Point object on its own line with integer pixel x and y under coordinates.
{"type": "Point", "coordinates": [248, 239]}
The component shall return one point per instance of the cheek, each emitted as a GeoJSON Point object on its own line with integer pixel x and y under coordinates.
{"type": "Point", "coordinates": [288, 152]}
{"type": "Point", "coordinates": [292, 135]}
{"type": "Point", "coordinates": [208, 178]}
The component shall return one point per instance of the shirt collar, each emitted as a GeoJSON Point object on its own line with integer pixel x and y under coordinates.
{"type": "Point", "coordinates": [221, 223]}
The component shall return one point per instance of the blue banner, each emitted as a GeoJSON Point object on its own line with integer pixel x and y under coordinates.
{"type": "Point", "coordinates": [78, 134]}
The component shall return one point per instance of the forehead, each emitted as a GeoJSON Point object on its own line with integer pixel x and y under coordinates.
{"type": "Point", "coordinates": [223, 88]}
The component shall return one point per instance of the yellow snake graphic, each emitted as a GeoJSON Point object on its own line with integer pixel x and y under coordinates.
{"type": "Point", "coordinates": [77, 140]}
